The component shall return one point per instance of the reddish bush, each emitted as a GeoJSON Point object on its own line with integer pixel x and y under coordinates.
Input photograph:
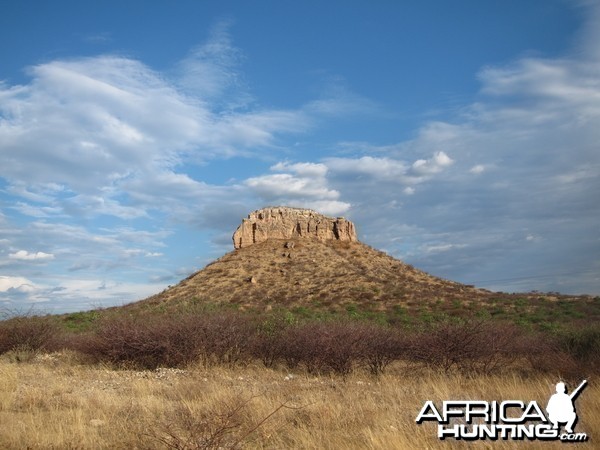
{"type": "Point", "coordinates": [169, 341]}
{"type": "Point", "coordinates": [322, 346]}
{"type": "Point", "coordinates": [474, 345]}
{"type": "Point", "coordinates": [28, 332]}
{"type": "Point", "coordinates": [379, 346]}
{"type": "Point", "coordinates": [223, 338]}
{"type": "Point", "coordinates": [268, 343]}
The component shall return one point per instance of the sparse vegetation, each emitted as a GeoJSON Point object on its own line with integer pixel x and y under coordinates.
{"type": "Point", "coordinates": [290, 352]}
{"type": "Point", "coordinates": [54, 401]}
{"type": "Point", "coordinates": [27, 332]}
{"type": "Point", "coordinates": [318, 344]}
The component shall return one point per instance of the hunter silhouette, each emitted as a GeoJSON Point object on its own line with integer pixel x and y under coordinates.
{"type": "Point", "coordinates": [560, 406]}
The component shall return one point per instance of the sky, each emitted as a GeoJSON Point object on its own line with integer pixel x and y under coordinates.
{"type": "Point", "coordinates": [460, 137]}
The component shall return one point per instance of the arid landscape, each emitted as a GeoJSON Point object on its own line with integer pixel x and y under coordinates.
{"type": "Point", "coordinates": [54, 402]}
{"type": "Point", "coordinates": [300, 339]}
{"type": "Point", "coordinates": [326, 225]}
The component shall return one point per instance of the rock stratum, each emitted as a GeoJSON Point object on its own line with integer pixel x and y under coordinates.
{"type": "Point", "coordinates": [290, 223]}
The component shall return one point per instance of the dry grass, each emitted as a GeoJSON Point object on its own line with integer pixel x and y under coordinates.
{"type": "Point", "coordinates": [52, 402]}
{"type": "Point", "coordinates": [312, 271]}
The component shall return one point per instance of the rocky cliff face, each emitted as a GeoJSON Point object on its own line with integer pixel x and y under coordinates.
{"type": "Point", "coordinates": [288, 223]}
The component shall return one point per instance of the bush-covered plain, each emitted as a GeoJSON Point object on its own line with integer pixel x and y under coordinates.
{"type": "Point", "coordinates": [339, 345]}
{"type": "Point", "coordinates": [221, 378]}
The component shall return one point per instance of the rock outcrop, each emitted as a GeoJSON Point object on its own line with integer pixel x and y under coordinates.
{"type": "Point", "coordinates": [288, 223]}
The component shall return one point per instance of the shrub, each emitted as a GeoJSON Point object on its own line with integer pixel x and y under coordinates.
{"type": "Point", "coordinates": [143, 342]}
{"type": "Point", "coordinates": [225, 427]}
{"type": "Point", "coordinates": [268, 343]}
{"type": "Point", "coordinates": [28, 332]}
{"type": "Point", "coordinates": [379, 346]}
{"type": "Point", "coordinates": [545, 354]}
{"type": "Point", "coordinates": [470, 345]}
{"type": "Point", "coordinates": [322, 346]}
{"type": "Point", "coordinates": [583, 345]}
{"type": "Point", "coordinates": [169, 340]}
{"type": "Point", "coordinates": [223, 338]}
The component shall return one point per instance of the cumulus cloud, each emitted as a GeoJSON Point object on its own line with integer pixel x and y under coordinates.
{"type": "Point", "coordinates": [431, 166]}
{"type": "Point", "coordinates": [24, 255]}
{"type": "Point", "coordinates": [302, 180]}
{"type": "Point", "coordinates": [299, 184]}
{"type": "Point", "coordinates": [19, 284]}
{"type": "Point", "coordinates": [477, 169]}
{"type": "Point", "coordinates": [377, 167]}
{"type": "Point", "coordinates": [382, 169]}
{"type": "Point", "coordinates": [310, 184]}
{"type": "Point", "coordinates": [302, 169]}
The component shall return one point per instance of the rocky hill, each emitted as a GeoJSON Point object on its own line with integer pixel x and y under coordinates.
{"type": "Point", "coordinates": [296, 257]}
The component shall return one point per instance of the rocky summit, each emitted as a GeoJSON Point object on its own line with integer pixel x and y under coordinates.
{"type": "Point", "coordinates": [290, 223]}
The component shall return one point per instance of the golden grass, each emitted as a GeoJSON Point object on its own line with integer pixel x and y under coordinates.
{"type": "Point", "coordinates": [52, 402]}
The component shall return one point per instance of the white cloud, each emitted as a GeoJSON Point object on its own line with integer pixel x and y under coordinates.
{"type": "Point", "coordinates": [24, 255]}
{"type": "Point", "coordinates": [439, 248]}
{"type": "Point", "coordinates": [532, 238]}
{"type": "Point", "coordinates": [301, 184]}
{"type": "Point", "coordinates": [380, 168]}
{"type": "Point", "coordinates": [19, 284]}
{"type": "Point", "coordinates": [94, 205]}
{"type": "Point", "coordinates": [387, 169]}
{"type": "Point", "coordinates": [536, 125]}
{"type": "Point", "coordinates": [327, 207]}
{"type": "Point", "coordinates": [303, 169]}
{"type": "Point", "coordinates": [210, 71]}
{"type": "Point", "coordinates": [431, 166]}
{"type": "Point", "coordinates": [546, 80]}
{"type": "Point", "coordinates": [319, 185]}
{"type": "Point", "coordinates": [285, 185]}
{"type": "Point", "coordinates": [477, 169]}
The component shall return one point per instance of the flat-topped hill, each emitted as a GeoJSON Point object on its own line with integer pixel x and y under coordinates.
{"type": "Point", "coordinates": [297, 257]}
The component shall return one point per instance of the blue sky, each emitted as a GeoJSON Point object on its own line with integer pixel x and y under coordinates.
{"type": "Point", "coordinates": [461, 137]}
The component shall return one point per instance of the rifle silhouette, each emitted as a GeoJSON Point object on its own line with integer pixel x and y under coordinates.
{"type": "Point", "coordinates": [576, 392]}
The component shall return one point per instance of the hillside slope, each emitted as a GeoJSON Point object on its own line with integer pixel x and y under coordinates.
{"type": "Point", "coordinates": [303, 272]}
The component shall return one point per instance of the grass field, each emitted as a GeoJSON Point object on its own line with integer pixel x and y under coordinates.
{"type": "Point", "coordinates": [53, 401]}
